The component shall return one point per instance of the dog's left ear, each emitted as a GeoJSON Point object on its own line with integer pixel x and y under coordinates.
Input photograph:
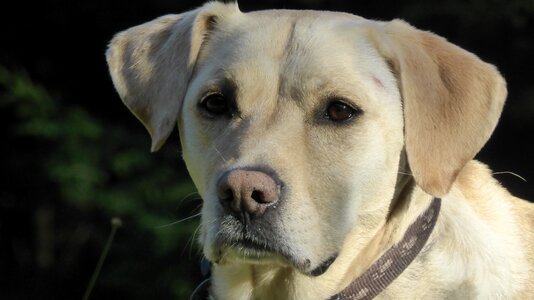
{"type": "Point", "coordinates": [151, 64]}
{"type": "Point", "coordinates": [452, 101]}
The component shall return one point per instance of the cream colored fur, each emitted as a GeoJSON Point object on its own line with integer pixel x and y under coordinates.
{"type": "Point", "coordinates": [352, 188]}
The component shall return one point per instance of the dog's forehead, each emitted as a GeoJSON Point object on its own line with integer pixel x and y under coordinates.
{"type": "Point", "coordinates": [285, 46]}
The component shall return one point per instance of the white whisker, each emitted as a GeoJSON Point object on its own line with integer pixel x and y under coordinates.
{"type": "Point", "coordinates": [185, 199]}
{"type": "Point", "coordinates": [511, 173]}
{"type": "Point", "coordinates": [190, 242]}
{"type": "Point", "coordinates": [219, 152]}
{"type": "Point", "coordinates": [179, 221]}
{"type": "Point", "coordinates": [192, 237]}
{"type": "Point", "coordinates": [189, 195]}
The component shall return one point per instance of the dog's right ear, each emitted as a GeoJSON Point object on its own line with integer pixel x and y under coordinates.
{"type": "Point", "coordinates": [151, 64]}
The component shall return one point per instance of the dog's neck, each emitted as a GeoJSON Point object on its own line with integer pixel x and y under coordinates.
{"type": "Point", "coordinates": [408, 202]}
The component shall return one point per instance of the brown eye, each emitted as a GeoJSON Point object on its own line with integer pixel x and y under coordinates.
{"type": "Point", "coordinates": [339, 112]}
{"type": "Point", "coordinates": [215, 104]}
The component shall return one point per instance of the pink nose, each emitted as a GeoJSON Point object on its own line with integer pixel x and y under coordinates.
{"type": "Point", "coordinates": [247, 193]}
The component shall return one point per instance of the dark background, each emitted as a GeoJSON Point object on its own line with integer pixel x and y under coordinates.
{"type": "Point", "coordinates": [72, 157]}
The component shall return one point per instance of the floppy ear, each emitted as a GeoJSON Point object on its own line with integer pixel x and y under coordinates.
{"type": "Point", "coordinates": [452, 101]}
{"type": "Point", "coordinates": [151, 64]}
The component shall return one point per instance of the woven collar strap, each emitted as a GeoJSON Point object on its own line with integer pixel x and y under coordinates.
{"type": "Point", "coordinates": [395, 260]}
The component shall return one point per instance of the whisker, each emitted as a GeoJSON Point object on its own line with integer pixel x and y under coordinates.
{"type": "Point", "coordinates": [219, 152]}
{"type": "Point", "coordinates": [192, 238]}
{"type": "Point", "coordinates": [189, 195]}
{"type": "Point", "coordinates": [185, 199]}
{"type": "Point", "coordinates": [511, 173]}
{"type": "Point", "coordinates": [191, 243]}
{"type": "Point", "coordinates": [226, 253]}
{"type": "Point", "coordinates": [179, 221]}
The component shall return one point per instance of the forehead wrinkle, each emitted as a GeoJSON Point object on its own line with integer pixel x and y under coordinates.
{"type": "Point", "coordinates": [259, 69]}
{"type": "Point", "coordinates": [287, 56]}
{"type": "Point", "coordinates": [310, 63]}
{"type": "Point", "coordinates": [305, 81]}
{"type": "Point", "coordinates": [294, 76]}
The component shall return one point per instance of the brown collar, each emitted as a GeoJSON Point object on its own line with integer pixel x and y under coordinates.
{"type": "Point", "coordinates": [395, 260]}
{"type": "Point", "coordinates": [384, 270]}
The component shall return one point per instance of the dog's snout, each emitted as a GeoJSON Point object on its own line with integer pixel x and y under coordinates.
{"type": "Point", "coordinates": [247, 193]}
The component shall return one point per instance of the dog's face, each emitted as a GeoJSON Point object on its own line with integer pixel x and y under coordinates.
{"type": "Point", "coordinates": [297, 100]}
{"type": "Point", "coordinates": [292, 123]}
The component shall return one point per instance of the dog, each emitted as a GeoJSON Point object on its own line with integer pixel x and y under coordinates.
{"type": "Point", "coordinates": [330, 150]}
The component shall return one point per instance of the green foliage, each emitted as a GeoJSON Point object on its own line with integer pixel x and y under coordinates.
{"type": "Point", "coordinates": [96, 170]}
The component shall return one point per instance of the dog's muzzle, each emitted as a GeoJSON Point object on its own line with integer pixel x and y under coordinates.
{"type": "Point", "coordinates": [252, 200]}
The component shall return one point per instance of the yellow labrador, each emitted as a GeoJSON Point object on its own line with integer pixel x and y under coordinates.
{"type": "Point", "coordinates": [320, 143]}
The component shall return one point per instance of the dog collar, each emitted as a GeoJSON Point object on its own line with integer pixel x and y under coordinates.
{"type": "Point", "coordinates": [382, 272]}
{"type": "Point", "coordinates": [395, 260]}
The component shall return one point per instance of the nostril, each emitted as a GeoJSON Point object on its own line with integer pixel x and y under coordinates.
{"type": "Point", "coordinates": [258, 196]}
{"type": "Point", "coordinates": [226, 195]}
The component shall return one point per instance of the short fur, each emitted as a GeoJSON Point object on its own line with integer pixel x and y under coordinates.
{"type": "Point", "coordinates": [350, 189]}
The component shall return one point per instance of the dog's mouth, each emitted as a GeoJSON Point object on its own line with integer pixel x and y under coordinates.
{"type": "Point", "coordinates": [265, 241]}
{"type": "Point", "coordinates": [254, 251]}
{"type": "Point", "coordinates": [322, 267]}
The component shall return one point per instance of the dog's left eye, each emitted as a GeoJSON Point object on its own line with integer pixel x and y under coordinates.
{"type": "Point", "coordinates": [338, 111]}
{"type": "Point", "coordinates": [215, 104]}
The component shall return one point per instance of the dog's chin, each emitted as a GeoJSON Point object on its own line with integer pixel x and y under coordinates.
{"type": "Point", "coordinates": [249, 253]}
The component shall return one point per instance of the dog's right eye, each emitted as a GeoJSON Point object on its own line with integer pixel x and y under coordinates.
{"type": "Point", "coordinates": [339, 112]}
{"type": "Point", "coordinates": [215, 104]}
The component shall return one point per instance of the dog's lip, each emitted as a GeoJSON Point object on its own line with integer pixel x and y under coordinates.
{"type": "Point", "coordinates": [322, 267]}
{"type": "Point", "coordinates": [255, 245]}
{"type": "Point", "coordinates": [251, 251]}
{"type": "Point", "coordinates": [258, 252]}
{"type": "Point", "coordinates": [251, 255]}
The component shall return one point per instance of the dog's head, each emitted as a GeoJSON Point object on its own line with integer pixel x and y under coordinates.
{"type": "Point", "coordinates": [293, 123]}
